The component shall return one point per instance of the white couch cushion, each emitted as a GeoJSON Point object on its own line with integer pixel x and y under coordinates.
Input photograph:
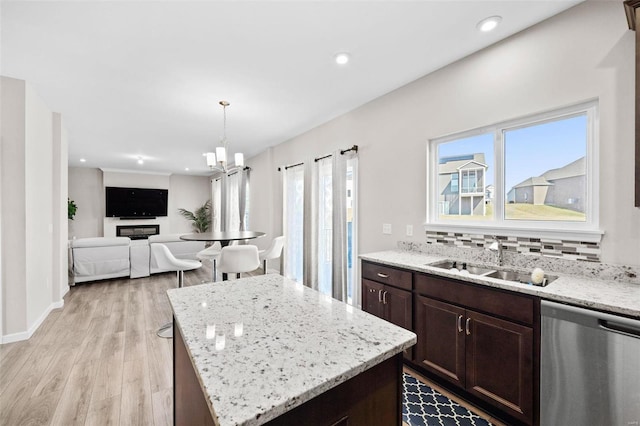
{"type": "Point", "coordinates": [100, 242]}
{"type": "Point", "coordinates": [100, 262]}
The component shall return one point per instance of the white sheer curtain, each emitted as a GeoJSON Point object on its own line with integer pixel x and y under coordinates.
{"type": "Point", "coordinates": [319, 206]}
{"type": "Point", "coordinates": [243, 199]}
{"type": "Point", "coordinates": [233, 206]}
{"type": "Point", "coordinates": [293, 221]}
{"type": "Point", "coordinates": [216, 207]}
{"type": "Point", "coordinates": [325, 201]}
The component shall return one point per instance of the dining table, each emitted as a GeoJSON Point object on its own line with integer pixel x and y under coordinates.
{"type": "Point", "coordinates": [223, 237]}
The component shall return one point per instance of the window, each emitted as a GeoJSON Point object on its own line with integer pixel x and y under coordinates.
{"type": "Point", "coordinates": [535, 173]}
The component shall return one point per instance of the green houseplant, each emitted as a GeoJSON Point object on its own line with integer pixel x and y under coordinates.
{"type": "Point", "coordinates": [71, 208]}
{"type": "Point", "coordinates": [200, 218]}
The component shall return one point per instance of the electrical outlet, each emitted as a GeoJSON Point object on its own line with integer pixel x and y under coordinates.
{"type": "Point", "coordinates": [409, 230]}
{"type": "Point", "coordinates": [386, 228]}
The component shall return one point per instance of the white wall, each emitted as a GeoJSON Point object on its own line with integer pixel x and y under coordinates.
{"type": "Point", "coordinates": [187, 192]}
{"type": "Point", "coordinates": [38, 204]}
{"type": "Point", "coordinates": [86, 188]}
{"type": "Point", "coordinates": [27, 217]}
{"type": "Point", "coordinates": [14, 267]}
{"type": "Point", "coordinates": [59, 178]}
{"type": "Point", "coordinates": [584, 53]}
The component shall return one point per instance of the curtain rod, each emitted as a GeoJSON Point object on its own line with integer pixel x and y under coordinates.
{"type": "Point", "coordinates": [342, 152]}
{"type": "Point", "coordinates": [236, 171]}
{"type": "Point", "coordinates": [290, 167]}
{"type": "Point", "coordinates": [230, 174]}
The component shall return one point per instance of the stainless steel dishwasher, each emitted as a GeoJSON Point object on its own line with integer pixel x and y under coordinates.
{"type": "Point", "coordinates": [589, 368]}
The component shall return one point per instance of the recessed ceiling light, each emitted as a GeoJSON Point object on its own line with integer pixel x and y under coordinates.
{"type": "Point", "coordinates": [342, 58]}
{"type": "Point", "coordinates": [140, 160]}
{"type": "Point", "coordinates": [186, 169]}
{"type": "Point", "coordinates": [489, 24]}
{"type": "Point", "coordinates": [82, 160]}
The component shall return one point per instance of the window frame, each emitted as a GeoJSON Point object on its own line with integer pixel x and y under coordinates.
{"type": "Point", "coordinates": [587, 231]}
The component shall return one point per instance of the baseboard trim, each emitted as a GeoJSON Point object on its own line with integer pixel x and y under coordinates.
{"type": "Point", "coordinates": [26, 335]}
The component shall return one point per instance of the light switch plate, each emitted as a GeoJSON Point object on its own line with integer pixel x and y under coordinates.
{"type": "Point", "coordinates": [409, 230]}
{"type": "Point", "coordinates": [386, 228]}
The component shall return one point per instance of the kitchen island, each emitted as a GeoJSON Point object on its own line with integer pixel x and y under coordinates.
{"type": "Point", "coordinates": [266, 350]}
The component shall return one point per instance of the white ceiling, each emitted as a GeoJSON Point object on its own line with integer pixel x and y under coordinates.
{"type": "Point", "coordinates": [144, 78]}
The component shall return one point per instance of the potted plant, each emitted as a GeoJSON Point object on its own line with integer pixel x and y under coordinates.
{"type": "Point", "coordinates": [71, 208]}
{"type": "Point", "coordinates": [200, 218]}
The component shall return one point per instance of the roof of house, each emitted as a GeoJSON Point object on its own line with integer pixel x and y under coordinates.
{"type": "Point", "coordinates": [534, 181]}
{"type": "Point", "coordinates": [453, 164]}
{"type": "Point", "coordinates": [575, 168]}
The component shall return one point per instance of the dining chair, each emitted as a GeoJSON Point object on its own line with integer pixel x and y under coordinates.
{"type": "Point", "coordinates": [211, 253]}
{"type": "Point", "coordinates": [238, 259]}
{"type": "Point", "coordinates": [273, 252]}
{"type": "Point", "coordinates": [166, 260]}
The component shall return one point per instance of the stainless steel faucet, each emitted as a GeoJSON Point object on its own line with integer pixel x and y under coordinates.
{"type": "Point", "coordinates": [496, 245]}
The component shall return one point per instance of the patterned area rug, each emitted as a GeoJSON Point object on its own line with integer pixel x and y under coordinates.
{"type": "Point", "coordinates": [423, 406]}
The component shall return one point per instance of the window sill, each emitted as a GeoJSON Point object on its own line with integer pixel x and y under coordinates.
{"type": "Point", "coordinates": [588, 236]}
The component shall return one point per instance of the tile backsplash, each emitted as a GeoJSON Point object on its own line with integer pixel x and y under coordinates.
{"type": "Point", "coordinates": [571, 250]}
{"type": "Point", "coordinates": [518, 254]}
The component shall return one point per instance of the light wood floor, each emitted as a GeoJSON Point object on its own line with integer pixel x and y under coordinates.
{"type": "Point", "coordinates": [98, 361]}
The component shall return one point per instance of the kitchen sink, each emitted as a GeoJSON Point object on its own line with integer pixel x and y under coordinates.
{"type": "Point", "coordinates": [460, 266]}
{"type": "Point", "coordinates": [490, 272]}
{"type": "Point", "coordinates": [519, 277]}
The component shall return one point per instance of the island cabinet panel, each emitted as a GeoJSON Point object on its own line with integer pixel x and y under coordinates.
{"type": "Point", "coordinates": [440, 347]}
{"type": "Point", "coordinates": [189, 404]}
{"type": "Point", "coordinates": [372, 398]}
{"type": "Point", "coordinates": [490, 355]}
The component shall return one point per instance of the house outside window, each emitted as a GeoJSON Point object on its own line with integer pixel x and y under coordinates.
{"type": "Point", "coordinates": [534, 173]}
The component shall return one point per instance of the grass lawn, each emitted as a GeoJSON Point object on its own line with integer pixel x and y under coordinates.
{"type": "Point", "coordinates": [522, 211]}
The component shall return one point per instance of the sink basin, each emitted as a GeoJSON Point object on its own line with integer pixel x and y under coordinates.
{"type": "Point", "coordinates": [473, 269]}
{"type": "Point", "coordinates": [519, 277]}
{"type": "Point", "coordinates": [490, 272]}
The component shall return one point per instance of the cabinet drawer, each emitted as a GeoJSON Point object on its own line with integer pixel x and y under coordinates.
{"type": "Point", "coordinates": [511, 306]}
{"type": "Point", "coordinates": [387, 275]}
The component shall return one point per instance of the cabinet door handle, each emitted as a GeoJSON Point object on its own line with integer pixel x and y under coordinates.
{"type": "Point", "coordinates": [381, 275]}
{"type": "Point", "coordinates": [459, 323]}
{"type": "Point", "coordinates": [467, 326]}
{"type": "Point", "coordinates": [384, 298]}
{"type": "Point", "coordinates": [379, 296]}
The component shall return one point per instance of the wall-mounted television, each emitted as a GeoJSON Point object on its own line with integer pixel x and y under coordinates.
{"type": "Point", "coordinates": [136, 202]}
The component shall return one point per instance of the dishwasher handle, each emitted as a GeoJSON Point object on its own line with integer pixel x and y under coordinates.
{"type": "Point", "coordinates": [602, 320]}
{"type": "Point", "coordinates": [620, 328]}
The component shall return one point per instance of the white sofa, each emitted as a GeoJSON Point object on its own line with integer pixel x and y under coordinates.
{"type": "Point", "coordinates": [102, 257]}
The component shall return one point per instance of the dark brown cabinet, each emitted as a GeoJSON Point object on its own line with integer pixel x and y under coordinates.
{"type": "Point", "coordinates": [482, 341]}
{"type": "Point", "coordinates": [386, 293]}
{"type": "Point", "coordinates": [440, 347]}
{"type": "Point", "coordinates": [389, 303]}
{"type": "Point", "coordinates": [488, 354]}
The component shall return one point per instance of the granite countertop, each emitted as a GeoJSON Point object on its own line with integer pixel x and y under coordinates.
{"type": "Point", "coordinates": [263, 345]}
{"type": "Point", "coordinates": [605, 295]}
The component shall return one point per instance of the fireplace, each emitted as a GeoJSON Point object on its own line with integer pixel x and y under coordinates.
{"type": "Point", "coordinates": [137, 232]}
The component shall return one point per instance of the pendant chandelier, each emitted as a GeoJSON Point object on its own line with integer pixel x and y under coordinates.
{"type": "Point", "coordinates": [218, 160]}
